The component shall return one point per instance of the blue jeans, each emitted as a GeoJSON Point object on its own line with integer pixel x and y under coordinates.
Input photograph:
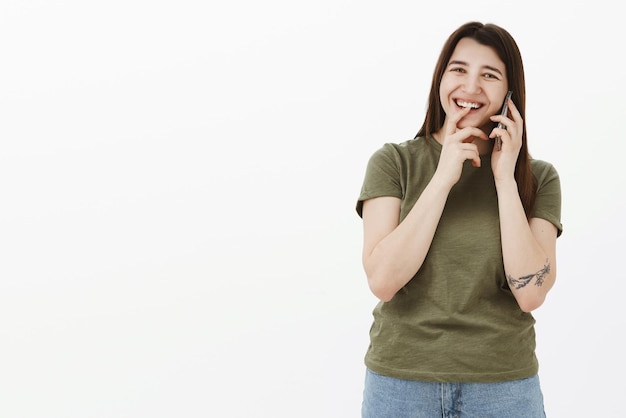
{"type": "Point", "coordinates": [388, 397]}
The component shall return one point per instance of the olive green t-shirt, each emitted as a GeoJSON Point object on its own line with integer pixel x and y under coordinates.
{"type": "Point", "coordinates": [456, 320]}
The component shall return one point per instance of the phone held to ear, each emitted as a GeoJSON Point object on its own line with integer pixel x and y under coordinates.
{"type": "Point", "coordinates": [503, 112]}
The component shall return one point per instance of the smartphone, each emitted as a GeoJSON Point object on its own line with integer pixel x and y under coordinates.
{"type": "Point", "coordinates": [503, 112]}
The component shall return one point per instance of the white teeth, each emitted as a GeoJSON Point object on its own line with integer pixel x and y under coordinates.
{"type": "Point", "coordinates": [467, 104]}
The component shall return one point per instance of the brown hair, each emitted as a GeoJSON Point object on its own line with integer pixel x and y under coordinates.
{"type": "Point", "coordinates": [505, 46]}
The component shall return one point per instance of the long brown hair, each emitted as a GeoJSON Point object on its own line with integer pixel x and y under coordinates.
{"type": "Point", "coordinates": [505, 46]}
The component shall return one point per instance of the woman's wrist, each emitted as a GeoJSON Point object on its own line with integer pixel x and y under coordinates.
{"type": "Point", "coordinates": [506, 183]}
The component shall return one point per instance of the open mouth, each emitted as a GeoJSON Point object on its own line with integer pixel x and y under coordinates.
{"type": "Point", "coordinates": [471, 105]}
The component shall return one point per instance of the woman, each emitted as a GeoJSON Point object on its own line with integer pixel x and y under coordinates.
{"type": "Point", "coordinates": [459, 245]}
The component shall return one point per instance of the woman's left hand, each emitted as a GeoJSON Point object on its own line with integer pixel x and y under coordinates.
{"type": "Point", "coordinates": [503, 161]}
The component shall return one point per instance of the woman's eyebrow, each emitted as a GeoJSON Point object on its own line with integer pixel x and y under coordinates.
{"type": "Point", "coordinates": [457, 62]}
{"type": "Point", "coordinates": [492, 69]}
{"type": "Point", "coordinates": [488, 67]}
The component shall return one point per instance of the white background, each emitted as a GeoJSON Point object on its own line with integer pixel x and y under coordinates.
{"type": "Point", "coordinates": [177, 187]}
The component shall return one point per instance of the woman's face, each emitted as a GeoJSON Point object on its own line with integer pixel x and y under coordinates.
{"type": "Point", "coordinates": [475, 77]}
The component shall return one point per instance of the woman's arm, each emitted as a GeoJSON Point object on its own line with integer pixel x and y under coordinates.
{"type": "Point", "coordinates": [528, 249]}
{"type": "Point", "coordinates": [393, 252]}
{"type": "Point", "coordinates": [528, 246]}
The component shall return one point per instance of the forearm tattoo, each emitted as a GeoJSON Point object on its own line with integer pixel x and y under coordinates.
{"type": "Point", "coordinates": [524, 280]}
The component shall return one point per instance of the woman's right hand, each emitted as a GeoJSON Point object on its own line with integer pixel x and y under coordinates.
{"type": "Point", "coordinates": [457, 146]}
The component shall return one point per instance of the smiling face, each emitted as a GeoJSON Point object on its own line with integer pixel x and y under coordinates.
{"type": "Point", "coordinates": [475, 77]}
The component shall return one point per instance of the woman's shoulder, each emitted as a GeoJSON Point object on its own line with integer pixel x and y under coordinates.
{"type": "Point", "coordinates": [407, 148]}
{"type": "Point", "coordinates": [545, 173]}
{"type": "Point", "coordinates": [542, 168]}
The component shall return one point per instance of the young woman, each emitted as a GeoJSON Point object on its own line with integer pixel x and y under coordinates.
{"type": "Point", "coordinates": [459, 245]}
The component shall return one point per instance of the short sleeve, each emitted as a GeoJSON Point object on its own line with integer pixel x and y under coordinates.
{"type": "Point", "coordinates": [382, 176]}
{"type": "Point", "coordinates": [548, 201]}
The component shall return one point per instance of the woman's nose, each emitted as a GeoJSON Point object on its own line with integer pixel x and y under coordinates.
{"type": "Point", "coordinates": [472, 85]}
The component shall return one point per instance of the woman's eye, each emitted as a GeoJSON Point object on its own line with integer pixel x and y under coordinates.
{"type": "Point", "coordinates": [488, 75]}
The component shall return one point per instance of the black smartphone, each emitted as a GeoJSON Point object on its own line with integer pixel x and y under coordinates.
{"type": "Point", "coordinates": [503, 112]}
